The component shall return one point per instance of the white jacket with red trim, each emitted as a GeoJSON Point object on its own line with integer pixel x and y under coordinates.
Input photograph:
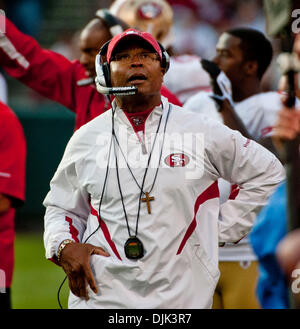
{"type": "Point", "coordinates": [180, 236]}
{"type": "Point", "coordinates": [259, 114]}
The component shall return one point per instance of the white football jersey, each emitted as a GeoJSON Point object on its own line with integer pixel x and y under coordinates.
{"type": "Point", "coordinates": [186, 77]}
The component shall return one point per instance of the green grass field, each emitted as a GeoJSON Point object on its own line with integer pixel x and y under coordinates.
{"type": "Point", "coordinates": [36, 280]}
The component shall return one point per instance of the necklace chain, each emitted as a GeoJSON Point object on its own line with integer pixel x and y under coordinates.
{"type": "Point", "coordinates": [146, 170]}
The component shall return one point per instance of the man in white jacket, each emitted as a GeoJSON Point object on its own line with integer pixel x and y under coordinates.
{"type": "Point", "coordinates": [244, 55]}
{"type": "Point", "coordinates": [133, 211]}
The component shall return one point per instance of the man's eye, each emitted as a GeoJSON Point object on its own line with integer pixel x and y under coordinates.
{"type": "Point", "coordinates": [225, 54]}
{"type": "Point", "coordinates": [144, 56]}
{"type": "Point", "coordinates": [123, 57]}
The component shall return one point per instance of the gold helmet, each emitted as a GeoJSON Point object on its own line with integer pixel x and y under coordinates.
{"type": "Point", "coordinates": [153, 16]}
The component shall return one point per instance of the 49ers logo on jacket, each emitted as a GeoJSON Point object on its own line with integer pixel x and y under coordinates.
{"type": "Point", "coordinates": [177, 160]}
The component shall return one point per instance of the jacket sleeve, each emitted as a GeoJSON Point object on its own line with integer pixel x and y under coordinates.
{"type": "Point", "coordinates": [255, 170]}
{"type": "Point", "coordinates": [12, 156]}
{"type": "Point", "coordinates": [67, 203]}
{"type": "Point", "coordinates": [47, 72]}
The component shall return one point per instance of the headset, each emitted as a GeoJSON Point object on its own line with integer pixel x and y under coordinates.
{"type": "Point", "coordinates": [103, 81]}
{"type": "Point", "coordinates": [115, 28]}
{"type": "Point", "coordinates": [111, 21]}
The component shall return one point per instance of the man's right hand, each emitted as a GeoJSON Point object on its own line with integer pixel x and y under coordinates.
{"type": "Point", "coordinates": [75, 260]}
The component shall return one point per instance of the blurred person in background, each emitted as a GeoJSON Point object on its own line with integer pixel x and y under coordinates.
{"type": "Point", "coordinates": [255, 112]}
{"type": "Point", "coordinates": [276, 249]}
{"type": "Point", "coordinates": [249, 13]}
{"type": "Point", "coordinates": [283, 80]}
{"type": "Point", "coordinates": [70, 83]}
{"type": "Point", "coordinates": [244, 55]}
{"type": "Point", "coordinates": [193, 35]}
{"type": "Point", "coordinates": [67, 44]}
{"type": "Point", "coordinates": [278, 252]}
{"type": "Point", "coordinates": [12, 194]}
{"type": "Point", "coordinates": [186, 75]}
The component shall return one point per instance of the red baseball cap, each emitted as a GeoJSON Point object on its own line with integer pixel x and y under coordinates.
{"type": "Point", "coordinates": [132, 33]}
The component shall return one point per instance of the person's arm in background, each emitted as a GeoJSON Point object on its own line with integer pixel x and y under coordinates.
{"type": "Point", "coordinates": [12, 160]}
{"type": "Point", "coordinates": [48, 73]}
{"type": "Point", "coordinates": [232, 120]}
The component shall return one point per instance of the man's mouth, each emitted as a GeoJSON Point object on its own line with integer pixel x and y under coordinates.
{"type": "Point", "coordinates": [137, 78]}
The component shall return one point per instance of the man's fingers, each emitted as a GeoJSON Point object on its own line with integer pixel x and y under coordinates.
{"type": "Point", "coordinates": [79, 272]}
{"type": "Point", "coordinates": [81, 284]}
{"type": "Point", "coordinates": [100, 251]}
{"type": "Point", "coordinates": [77, 286]}
{"type": "Point", "coordinates": [90, 279]}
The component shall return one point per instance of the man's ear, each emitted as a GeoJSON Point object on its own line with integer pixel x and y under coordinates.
{"type": "Point", "coordinates": [250, 68]}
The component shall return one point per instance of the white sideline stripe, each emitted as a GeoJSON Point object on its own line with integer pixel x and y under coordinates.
{"type": "Point", "coordinates": [12, 52]}
{"type": "Point", "coordinates": [5, 174]}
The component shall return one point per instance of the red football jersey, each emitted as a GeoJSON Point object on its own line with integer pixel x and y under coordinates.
{"type": "Point", "coordinates": [12, 183]}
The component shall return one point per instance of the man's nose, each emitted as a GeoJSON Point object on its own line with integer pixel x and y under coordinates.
{"type": "Point", "coordinates": [136, 60]}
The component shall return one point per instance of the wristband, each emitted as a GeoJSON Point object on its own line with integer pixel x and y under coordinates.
{"type": "Point", "coordinates": [62, 246]}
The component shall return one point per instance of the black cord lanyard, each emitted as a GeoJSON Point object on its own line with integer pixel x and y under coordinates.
{"type": "Point", "coordinates": [145, 174]}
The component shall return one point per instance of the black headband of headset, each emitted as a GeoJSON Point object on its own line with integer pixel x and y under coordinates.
{"type": "Point", "coordinates": [110, 20]}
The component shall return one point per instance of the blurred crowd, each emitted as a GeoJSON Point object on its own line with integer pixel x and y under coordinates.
{"type": "Point", "coordinates": [196, 29]}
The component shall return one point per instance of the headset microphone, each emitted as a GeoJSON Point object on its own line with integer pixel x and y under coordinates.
{"type": "Point", "coordinates": [117, 91]}
{"type": "Point", "coordinates": [85, 82]}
